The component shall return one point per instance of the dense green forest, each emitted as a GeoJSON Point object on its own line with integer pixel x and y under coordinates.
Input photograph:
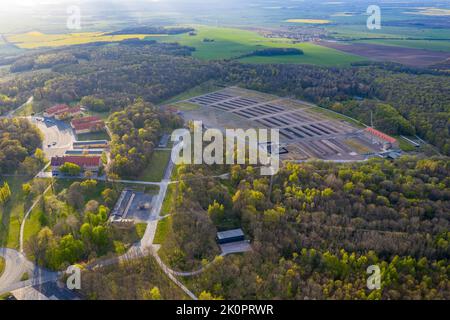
{"type": "Point", "coordinates": [316, 229]}
{"type": "Point", "coordinates": [136, 131]}
{"type": "Point", "coordinates": [404, 100]}
{"type": "Point", "coordinates": [19, 141]}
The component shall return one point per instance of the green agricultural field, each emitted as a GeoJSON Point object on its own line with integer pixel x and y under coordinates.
{"type": "Point", "coordinates": [313, 54]}
{"type": "Point", "coordinates": [231, 43]}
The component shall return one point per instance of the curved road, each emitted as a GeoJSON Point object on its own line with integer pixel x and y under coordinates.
{"type": "Point", "coordinates": [16, 265]}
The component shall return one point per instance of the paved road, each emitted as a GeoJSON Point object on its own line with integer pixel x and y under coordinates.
{"type": "Point", "coordinates": [16, 265]}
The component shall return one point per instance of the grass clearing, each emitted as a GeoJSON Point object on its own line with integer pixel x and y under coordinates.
{"type": "Point", "coordinates": [5, 296]}
{"type": "Point", "coordinates": [11, 214]}
{"type": "Point", "coordinates": [186, 106]}
{"type": "Point", "coordinates": [168, 200]}
{"type": "Point", "coordinates": [405, 145]}
{"type": "Point", "coordinates": [206, 87]}
{"type": "Point", "coordinates": [162, 230]}
{"type": "Point", "coordinates": [337, 116]}
{"type": "Point", "coordinates": [33, 224]}
{"type": "Point", "coordinates": [157, 166]}
{"type": "Point", "coordinates": [140, 229]}
{"type": "Point", "coordinates": [25, 277]}
{"type": "Point", "coordinates": [93, 136]}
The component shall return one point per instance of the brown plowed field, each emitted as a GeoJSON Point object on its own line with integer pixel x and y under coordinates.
{"type": "Point", "coordinates": [406, 56]}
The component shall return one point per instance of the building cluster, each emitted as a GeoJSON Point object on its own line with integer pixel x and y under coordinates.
{"type": "Point", "coordinates": [79, 123]}
{"type": "Point", "coordinates": [85, 154]}
{"type": "Point", "coordinates": [382, 138]}
{"type": "Point", "coordinates": [87, 125]}
{"type": "Point", "coordinates": [62, 112]}
{"type": "Point", "coordinates": [86, 163]}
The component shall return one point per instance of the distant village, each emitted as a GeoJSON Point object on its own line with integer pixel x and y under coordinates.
{"type": "Point", "coordinates": [295, 33]}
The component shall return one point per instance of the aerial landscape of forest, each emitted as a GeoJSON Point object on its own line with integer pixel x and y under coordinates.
{"type": "Point", "coordinates": [91, 94]}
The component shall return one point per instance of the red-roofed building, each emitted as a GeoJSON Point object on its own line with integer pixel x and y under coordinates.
{"type": "Point", "coordinates": [62, 111]}
{"type": "Point", "coordinates": [86, 163]}
{"type": "Point", "coordinates": [382, 137]}
{"type": "Point", "coordinates": [87, 124]}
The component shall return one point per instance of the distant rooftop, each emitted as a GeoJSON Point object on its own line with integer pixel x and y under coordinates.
{"type": "Point", "coordinates": [380, 135]}
{"type": "Point", "coordinates": [90, 142]}
{"type": "Point", "coordinates": [230, 234]}
{"type": "Point", "coordinates": [81, 161]}
{"type": "Point", "coordinates": [84, 151]}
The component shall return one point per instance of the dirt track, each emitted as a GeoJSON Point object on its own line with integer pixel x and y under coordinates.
{"type": "Point", "coordinates": [407, 56]}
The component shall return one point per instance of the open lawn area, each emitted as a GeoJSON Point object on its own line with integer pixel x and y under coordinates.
{"type": "Point", "coordinates": [168, 200]}
{"type": "Point", "coordinates": [338, 116]}
{"type": "Point", "coordinates": [2, 265]}
{"type": "Point", "coordinates": [140, 229]}
{"type": "Point", "coordinates": [162, 230]}
{"type": "Point", "coordinates": [11, 214]}
{"type": "Point", "coordinates": [156, 167]}
{"type": "Point", "coordinates": [405, 145]}
{"type": "Point", "coordinates": [213, 43]}
{"type": "Point", "coordinates": [93, 136]}
{"type": "Point", "coordinates": [33, 224]}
